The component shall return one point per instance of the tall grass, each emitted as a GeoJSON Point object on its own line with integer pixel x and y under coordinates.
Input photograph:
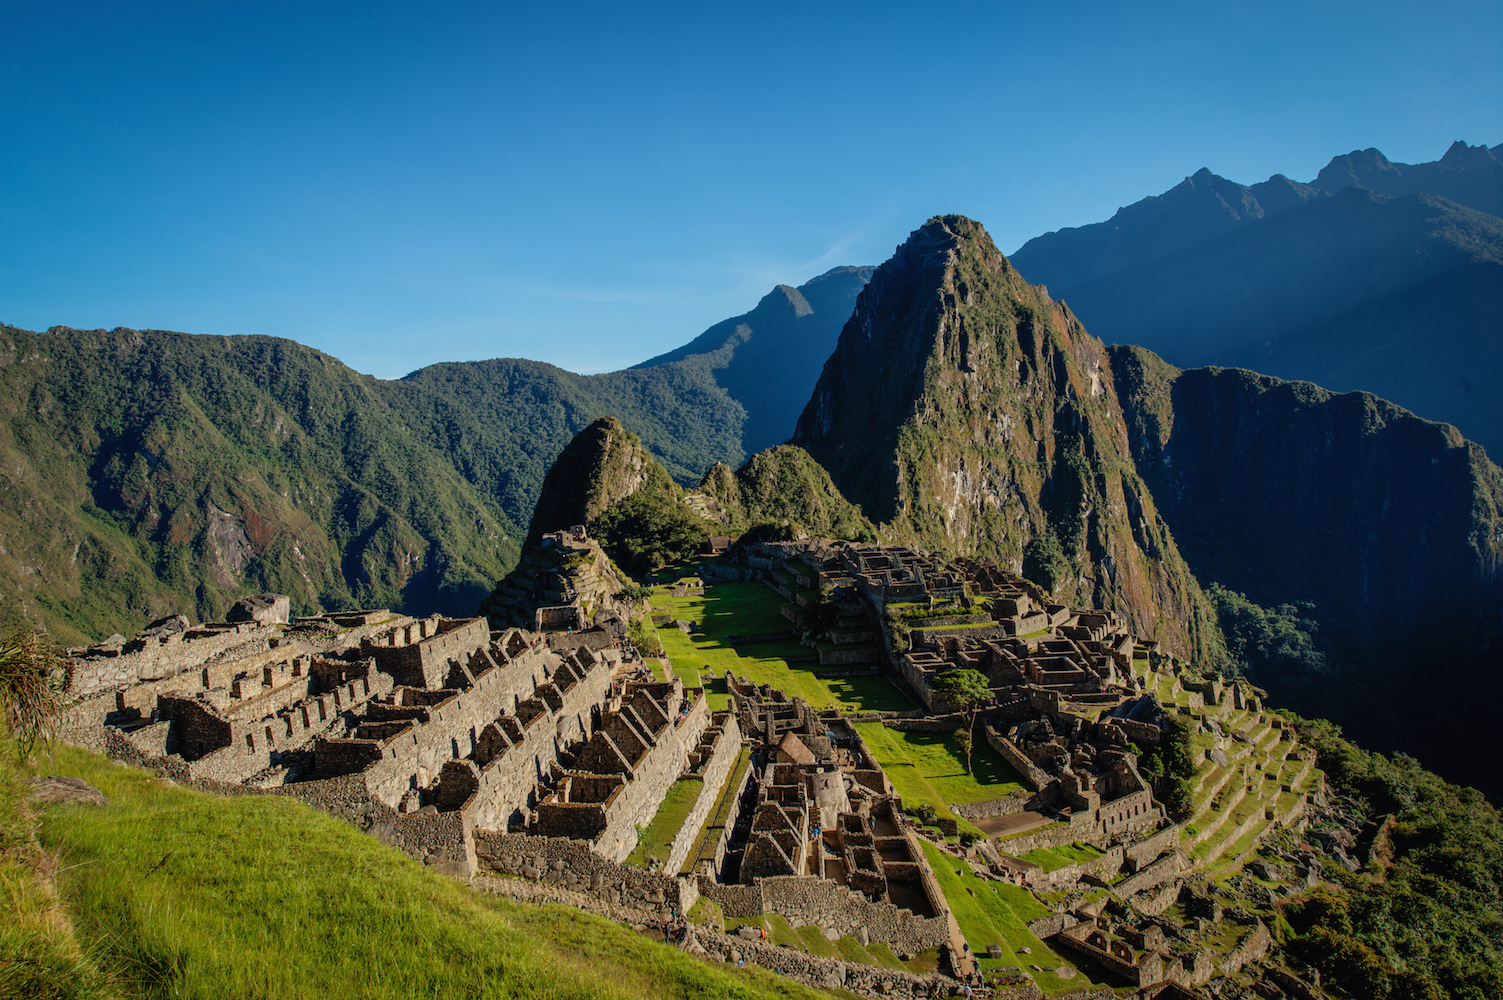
{"type": "Point", "coordinates": [31, 678]}
{"type": "Point", "coordinates": [187, 895]}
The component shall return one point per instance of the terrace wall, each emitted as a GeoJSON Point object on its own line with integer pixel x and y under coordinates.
{"type": "Point", "coordinates": [715, 771]}
{"type": "Point", "coordinates": [572, 864]}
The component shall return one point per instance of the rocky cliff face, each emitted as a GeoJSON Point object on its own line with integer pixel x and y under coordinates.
{"type": "Point", "coordinates": [1391, 526]}
{"type": "Point", "coordinates": [967, 412]}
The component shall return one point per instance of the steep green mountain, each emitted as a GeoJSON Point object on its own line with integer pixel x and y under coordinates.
{"type": "Point", "coordinates": [603, 464]}
{"type": "Point", "coordinates": [1387, 527]}
{"type": "Point", "coordinates": [967, 413]}
{"type": "Point", "coordinates": [1376, 276]}
{"type": "Point", "coordinates": [606, 481]}
{"type": "Point", "coordinates": [147, 472]}
{"type": "Point", "coordinates": [784, 487]}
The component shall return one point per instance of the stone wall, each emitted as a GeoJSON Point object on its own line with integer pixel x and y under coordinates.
{"type": "Point", "coordinates": [848, 657]}
{"type": "Point", "coordinates": [1154, 875]}
{"type": "Point", "coordinates": [810, 901]}
{"type": "Point", "coordinates": [650, 780]}
{"type": "Point", "coordinates": [1152, 902]}
{"type": "Point", "coordinates": [1142, 852]}
{"type": "Point", "coordinates": [1102, 868]}
{"type": "Point", "coordinates": [1252, 947]}
{"type": "Point", "coordinates": [976, 633]}
{"type": "Point", "coordinates": [1009, 806]}
{"type": "Point", "coordinates": [715, 771]}
{"type": "Point", "coordinates": [1020, 762]}
{"type": "Point", "coordinates": [572, 864]}
{"type": "Point", "coordinates": [148, 660]}
{"type": "Point", "coordinates": [942, 724]}
{"type": "Point", "coordinates": [419, 654]}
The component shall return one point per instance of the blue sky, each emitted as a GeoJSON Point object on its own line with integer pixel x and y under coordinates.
{"type": "Point", "coordinates": [400, 184]}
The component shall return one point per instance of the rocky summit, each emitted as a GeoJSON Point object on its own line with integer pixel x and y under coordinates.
{"type": "Point", "coordinates": [966, 411]}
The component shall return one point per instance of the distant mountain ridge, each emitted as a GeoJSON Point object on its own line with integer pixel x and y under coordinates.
{"type": "Point", "coordinates": [149, 472]}
{"type": "Point", "coordinates": [1468, 175]}
{"type": "Point", "coordinates": [1362, 279]}
{"type": "Point", "coordinates": [776, 351]}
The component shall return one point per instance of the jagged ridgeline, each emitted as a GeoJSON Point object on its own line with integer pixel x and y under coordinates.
{"type": "Point", "coordinates": [152, 472]}
{"type": "Point", "coordinates": [966, 412]}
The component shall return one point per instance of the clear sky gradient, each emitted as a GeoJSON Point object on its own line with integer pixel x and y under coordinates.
{"type": "Point", "coordinates": [401, 184]}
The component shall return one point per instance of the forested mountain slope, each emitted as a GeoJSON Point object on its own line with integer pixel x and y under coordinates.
{"type": "Point", "coordinates": [1387, 528]}
{"type": "Point", "coordinates": [147, 472]}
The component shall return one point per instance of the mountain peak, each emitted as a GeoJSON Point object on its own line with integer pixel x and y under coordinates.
{"type": "Point", "coordinates": [603, 463]}
{"type": "Point", "coordinates": [969, 414]}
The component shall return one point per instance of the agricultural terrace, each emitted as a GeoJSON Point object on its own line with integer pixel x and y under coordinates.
{"type": "Point", "coordinates": [928, 769]}
{"type": "Point", "coordinates": [995, 913]}
{"type": "Point", "coordinates": [925, 768]}
{"type": "Point", "coordinates": [741, 609]}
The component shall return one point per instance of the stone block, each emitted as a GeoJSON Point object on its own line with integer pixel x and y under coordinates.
{"type": "Point", "coordinates": [264, 609]}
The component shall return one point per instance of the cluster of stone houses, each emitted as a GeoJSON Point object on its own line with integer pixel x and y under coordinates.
{"type": "Point", "coordinates": [530, 741]}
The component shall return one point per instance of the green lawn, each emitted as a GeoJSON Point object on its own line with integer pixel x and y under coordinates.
{"type": "Point", "coordinates": [752, 609]}
{"type": "Point", "coordinates": [657, 839]}
{"type": "Point", "coordinates": [927, 768]}
{"type": "Point", "coordinates": [993, 913]}
{"type": "Point", "coordinates": [1055, 858]}
{"type": "Point", "coordinates": [178, 893]}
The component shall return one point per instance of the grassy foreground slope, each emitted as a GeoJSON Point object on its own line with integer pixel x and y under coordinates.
{"type": "Point", "coordinates": [175, 893]}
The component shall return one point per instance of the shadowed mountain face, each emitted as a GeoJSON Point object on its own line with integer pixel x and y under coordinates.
{"type": "Point", "coordinates": [1377, 276]}
{"type": "Point", "coordinates": [773, 354]}
{"type": "Point", "coordinates": [966, 412]}
{"type": "Point", "coordinates": [1389, 525]}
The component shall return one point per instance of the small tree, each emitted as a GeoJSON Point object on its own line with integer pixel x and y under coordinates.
{"type": "Point", "coordinates": [967, 691]}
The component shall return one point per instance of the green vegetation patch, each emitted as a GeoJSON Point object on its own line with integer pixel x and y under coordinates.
{"type": "Point", "coordinates": [713, 827]}
{"type": "Point", "coordinates": [1055, 858]}
{"type": "Point", "coordinates": [989, 915]}
{"type": "Point", "coordinates": [740, 609]}
{"type": "Point", "coordinates": [926, 769]}
{"type": "Point", "coordinates": [177, 893]}
{"type": "Point", "coordinates": [657, 839]}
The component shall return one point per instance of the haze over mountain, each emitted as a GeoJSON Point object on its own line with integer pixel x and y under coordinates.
{"type": "Point", "coordinates": [1376, 276]}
